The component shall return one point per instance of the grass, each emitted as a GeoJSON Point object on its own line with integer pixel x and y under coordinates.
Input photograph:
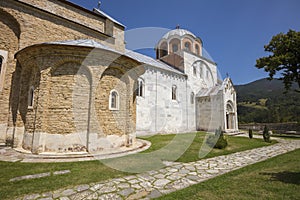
{"type": "Point", "coordinates": [235, 144]}
{"type": "Point", "coordinates": [275, 178]}
{"type": "Point", "coordinates": [81, 173]}
{"type": "Point", "coordinates": [164, 147]}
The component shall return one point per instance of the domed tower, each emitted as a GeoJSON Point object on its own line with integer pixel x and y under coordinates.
{"type": "Point", "coordinates": [171, 46]}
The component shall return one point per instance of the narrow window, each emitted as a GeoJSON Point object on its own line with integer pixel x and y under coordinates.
{"type": "Point", "coordinates": [201, 72]}
{"type": "Point", "coordinates": [194, 70]}
{"type": "Point", "coordinates": [114, 100]}
{"type": "Point", "coordinates": [197, 49]}
{"type": "Point", "coordinates": [174, 92]}
{"type": "Point", "coordinates": [1, 61]}
{"type": "Point", "coordinates": [31, 97]}
{"type": "Point", "coordinates": [192, 98]}
{"type": "Point", "coordinates": [175, 48]}
{"type": "Point", "coordinates": [3, 56]}
{"type": "Point", "coordinates": [140, 88]}
{"type": "Point", "coordinates": [187, 46]}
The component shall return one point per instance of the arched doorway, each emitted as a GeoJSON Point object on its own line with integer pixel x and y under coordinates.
{"type": "Point", "coordinates": [230, 115]}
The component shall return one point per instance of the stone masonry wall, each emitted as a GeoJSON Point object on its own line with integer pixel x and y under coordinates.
{"type": "Point", "coordinates": [9, 45]}
{"type": "Point", "coordinates": [42, 21]}
{"type": "Point", "coordinates": [70, 111]}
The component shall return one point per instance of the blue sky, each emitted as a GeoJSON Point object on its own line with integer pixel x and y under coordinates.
{"type": "Point", "coordinates": [234, 32]}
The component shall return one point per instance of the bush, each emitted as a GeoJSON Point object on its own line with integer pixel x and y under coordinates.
{"type": "Point", "coordinates": [266, 135]}
{"type": "Point", "coordinates": [250, 133]}
{"type": "Point", "coordinates": [218, 140]}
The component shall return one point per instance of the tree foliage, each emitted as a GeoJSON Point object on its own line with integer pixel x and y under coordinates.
{"type": "Point", "coordinates": [284, 58]}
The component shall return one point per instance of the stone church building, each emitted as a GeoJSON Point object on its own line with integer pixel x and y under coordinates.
{"type": "Point", "coordinates": [68, 83]}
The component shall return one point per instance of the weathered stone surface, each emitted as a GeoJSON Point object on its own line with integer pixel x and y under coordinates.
{"type": "Point", "coordinates": [81, 195]}
{"type": "Point", "coordinates": [126, 192]}
{"type": "Point", "coordinates": [61, 172]}
{"type": "Point", "coordinates": [82, 188]}
{"type": "Point", "coordinates": [193, 178]}
{"type": "Point", "coordinates": [154, 194]}
{"type": "Point", "coordinates": [133, 181]}
{"type": "Point", "coordinates": [64, 198]}
{"type": "Point", "coordinates": [123, 185]}
{"type": "Point", "coordinates": [161, 182]}
{"type": "Point", "coordinates": [65, 22]}
{"type": "Point", "coordinates": [32, 196]}
{"type": "Point", "coordinates": [46, 198]}
{"type": "Point", "coordinates": [96, 187]}
{"type": "Point", "coordinates": [34, 176]}
{"type": "Point", "coordinates": [68, 192]}
{"type": "Point", "coordinates": [107, 189]}
{"type": "Point", "coordinates": [109, 197]}
{"type": "Point", "coordinates": [138, 195]}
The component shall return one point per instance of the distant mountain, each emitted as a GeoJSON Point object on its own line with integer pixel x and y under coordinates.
{"type": "Point", "coordinates": [265, 101]}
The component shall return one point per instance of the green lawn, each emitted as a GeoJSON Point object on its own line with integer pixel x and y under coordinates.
{"type": "Point", "coordinates": [276, 178]}
{"type": "Point", "coordinates": [95, 171]}
{"type": "Point", "coordinates": [81, 172]}
{"type": "Point", "coordinates": [235, 144]}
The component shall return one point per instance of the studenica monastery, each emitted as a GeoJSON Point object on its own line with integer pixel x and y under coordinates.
{"type": "Point", "coordinates": [68, 83]}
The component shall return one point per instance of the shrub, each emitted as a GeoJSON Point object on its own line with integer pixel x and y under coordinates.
{"type": "Point", "coordinates": [218, 140]}
{"type": "Point", "coordinates": [266, 134]}
{"type": "Point", "coordinates": [250, 133]}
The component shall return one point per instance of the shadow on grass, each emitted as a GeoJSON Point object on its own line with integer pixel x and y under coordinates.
{"type": "Point", "coordinates": [285, 177]}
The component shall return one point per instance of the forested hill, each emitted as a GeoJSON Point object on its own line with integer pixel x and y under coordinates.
{"type": "Point", "coordinates": [264, 101]}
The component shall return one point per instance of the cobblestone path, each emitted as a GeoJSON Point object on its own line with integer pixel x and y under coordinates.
{"type": "Point", "coordinates": [173, 177]}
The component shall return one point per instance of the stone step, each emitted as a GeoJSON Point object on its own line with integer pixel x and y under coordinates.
{"type": "Point", "coordinates": [3, 145]}
{"type": "Point", "coordinates": [234, 133]}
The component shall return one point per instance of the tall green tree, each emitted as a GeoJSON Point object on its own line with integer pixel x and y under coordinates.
{"type": "Point", "coordinates": [284, 58]}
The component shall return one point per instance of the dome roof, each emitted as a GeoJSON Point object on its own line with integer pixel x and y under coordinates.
{"type": "Point", "coordinates": [179, 32]}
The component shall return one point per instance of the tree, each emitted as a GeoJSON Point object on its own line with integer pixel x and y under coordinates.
{"type": "Point", "coordinates": [284, 58]}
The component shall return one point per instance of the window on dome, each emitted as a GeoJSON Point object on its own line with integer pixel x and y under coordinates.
{"type": "Point", "coordinates": [197, 49]}
{"type": "Point", "coordinates": [163, 50]}
{"type": "Point", "coordinates": [175, 48]}
{"type": "Point", "coordinates": [187, 46]}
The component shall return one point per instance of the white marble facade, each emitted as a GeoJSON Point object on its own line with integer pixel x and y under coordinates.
{"type": "Point", "coordinates": [181, 91]}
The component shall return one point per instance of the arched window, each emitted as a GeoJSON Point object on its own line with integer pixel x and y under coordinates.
{"type": "Point", "coordinates": [140, 88]}
{"type": "Point", "coordinates": [192, 98]}
{"type": "Point", "coordinates": [201, 72]}
{"type": "Point", "coordinates": [163, 50]}
{"type": "Point", "coordinates": [187, 46]}
{"type": "Point", "coordinates": [175, 45]}
{"type": "Point", "coordinates": [114, 100]}
{"type": "Point", "coordinates": [194, 70]}
{"type": "Point", "coordinates": [174, 92]}
{"type": "Point", "coordinates": [197, 49]}
{"type": "Point", "coordinates": [174, 48]}
{"type": "Point", "coordinates": [31, 97]}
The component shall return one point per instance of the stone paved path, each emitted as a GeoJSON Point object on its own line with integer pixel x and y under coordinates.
{"type": "Point", "coordinates": [173, 177]}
